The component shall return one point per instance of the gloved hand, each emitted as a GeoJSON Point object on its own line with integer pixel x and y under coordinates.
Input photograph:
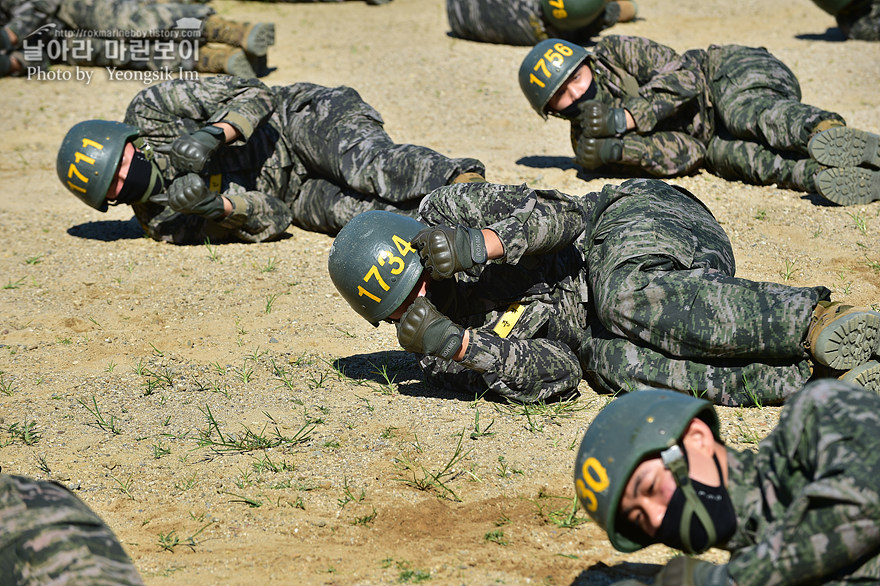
{"type": "Point", "coordinates": [424, 330]}
{"type": "Point", "coordinates": [599, 120]}
{"type": "Point", "coordinates": [190, 195]}
{"type": "Point", "coordinates": [688, 571]}
{"type": "Point", "coordinates": [191, 152]}
{"type": "Point", "coordinates": [446, 251]}
{"type": "Point", "coordinates": [592, 153]}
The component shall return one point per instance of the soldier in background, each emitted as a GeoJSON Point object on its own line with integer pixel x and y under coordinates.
{"type": "Point", "coordinates": [856, 19]}
{"type": "Point", "coordinates": [51, 537]}
{"type": "Point", "coordinates": [231, 159]}
{"type": "Point", "coordinates": [150, 36]}
{"type": "Point", "coordinates": [637, 106]}
{"type": "Point", "coordinates": [527, 22]}
{"type": "Point", "coordinates": [652, 468]}
{"type": "Point", "coordinates": [524, 292]}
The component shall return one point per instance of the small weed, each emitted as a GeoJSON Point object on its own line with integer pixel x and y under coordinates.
{"type": "Point", "coordinates": [112, 425]}
{"type": "Point", "coordinates": [187, 483]}
{"type": "Point", "coordinates": [270, 301]}
{"type": "Point", "coordinates": [6, 386]}
{"type": "Point", "coordinates": [425, 480]}
{"type": "Point", "coordinates": [251, 502]}
{"type": "Point", "coordinates": [34, 260]}
{"type": "Point", "coordinates": [270, 265]}
{"type": "Point", "coordinates": [477, 432]}
{"type": "Point", "coordinates": [348, 496]}
{"type": "Point", "coordinates": [788, 271]}
{"type": "Point", "coordinates": [872, 264]}
{"type": "Point", "coordinates": [567, 517]}
{"type": "Point", "coordinates": [860, 221]}
{"type": "Point", "coordinates": [215, 439]}
{"type": "Point", "coordinates": [748, 436]}
{"type": "Point", "coordinates": [753, 395]}
{"type": "Point", "coordinates": [761, 215]}
{"type": "Point", "coordinates": [388, 432]}
{"type": "Point", "coordinates": [159, 450]}
{"type": "Point", "coordinates": [110, 366]}
{"type": "Point", "coordinates": [124, 487]}
{"type": "Point", "coordinates": [26, 432]}
{"type": "Point", "coordinates": [14, 284]}
{"type": "Point", "coordinates": [496, 536]}
{"type": "Point", "coordinates": [212, 251]}
{"type": "Point", "coordinates": [366, 519]}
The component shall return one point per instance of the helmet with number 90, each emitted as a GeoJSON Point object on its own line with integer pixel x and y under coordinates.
{"type": "Point", "coordinates": [89, 157]}
{"type": "Point", "coordinates": [372, 264]}
{"type": "Point", "coordinates": [546, 67]}
{"type": "Point", "coordinates": [632, 428]}
{"type": "Point", "coordinates": [569, 15]}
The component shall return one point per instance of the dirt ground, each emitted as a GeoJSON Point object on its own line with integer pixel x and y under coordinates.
{"type": "Point", "coordinates": [233, 420]}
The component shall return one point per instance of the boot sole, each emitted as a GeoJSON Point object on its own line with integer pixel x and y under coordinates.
{"type": "Point", "coordinates": [239, 66]}
{"type": "Point", "coordinates": [261, 37]}
{"type": "Point", "coordinates": [866, 375]}
{"type": "Point", "coordinates": [848, 341]}
{"type": "Point", "coordinates": [845, 147]}
{"type": "Point", "coordinates": [848, 185]}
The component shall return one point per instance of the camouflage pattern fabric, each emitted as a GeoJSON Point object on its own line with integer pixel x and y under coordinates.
{"type": "Point", "coordinates": [25, 16]}
{"type": "Point", "coordinates": [50, 537]}
{"type": "Point", "coordinates": [806, 502]}
{"type": "Point", "coordinates": [735, 109]}
{"type": "Point", "coordinates": [310, 155]}
{"type": "Point", "coordinates": [632, 286]}
{"type": "Point", "coordinates": [860, 20]}
{"type": "Point", "coordinates": [516, 22]}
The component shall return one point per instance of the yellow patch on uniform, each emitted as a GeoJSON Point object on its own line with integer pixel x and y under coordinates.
{"type": "Point", "coordinates": [509, 319]}
{"type": "Point", "coordinates": [215, 182]}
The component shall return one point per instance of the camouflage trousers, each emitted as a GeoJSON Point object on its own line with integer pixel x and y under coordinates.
{"type": "Point", "coordinates": [861, 20]}
{"type": "Point", "coordinates": [50, 537]}
{"type": "Point", "coordinates": [762, 127]}
{"type": "Point", "coordinates": [351, 163]}
{"type": "Point", "coordinates": [669, 312]}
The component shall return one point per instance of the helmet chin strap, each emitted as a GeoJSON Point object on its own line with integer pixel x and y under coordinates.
{"type": "Point", "coordinates": [674, 460]}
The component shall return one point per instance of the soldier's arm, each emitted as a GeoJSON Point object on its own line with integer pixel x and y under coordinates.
{"type": "Point", "coordinates": [165, 111]}
{"type": "Point", "coordinates": [527, 221]}
{"type": "Point", "coordinates": [667, 81]}
{"type": "Point", "coordinates": [522, 370]}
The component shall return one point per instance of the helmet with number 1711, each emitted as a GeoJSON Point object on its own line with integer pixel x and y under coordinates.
{"type": "Point", "coordinates": [546, 67]}
{"type": "Point", "coordinates": [569, 15]}
{"type": "Point", "coordinates": [630, 429]}
{"type": "Point", "coordinates": [372, 264]}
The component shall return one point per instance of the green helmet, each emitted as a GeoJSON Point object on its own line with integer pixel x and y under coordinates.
{"type": "Point", "coordinates": [630, 429]}
{"type": "Point", "coordinates": [569, 15]}
{"type": "Point", "coordinates": [89, 157]}
{"type": "Point", "coordinates": [546, 67]}
{"type": "Point", "coordinates": [372, 263]}
{"type": "Point", "coordinates": [832, 7]}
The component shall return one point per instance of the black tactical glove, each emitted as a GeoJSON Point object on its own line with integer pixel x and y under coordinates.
{"type": "Point", "coordinates": [592, 153]}
{"type": "Point", "coordinates": [687, 571]}
{"type": "Point", "coordinates": [446, 251]}
{"type": "Point", "coordinates": [599, 120]}
{"type": "Point", "coordinates": [190, 195]}
{"type": "Point", "coordinates": [191, 152]}
{"type": "Point", "coordinates": [424, 330]}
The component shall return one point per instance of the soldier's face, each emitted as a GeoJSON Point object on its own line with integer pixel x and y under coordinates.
{"type": "Point", "coordinates": [573, 88]}
{"type": "Point", "coordinates": [121, 173]}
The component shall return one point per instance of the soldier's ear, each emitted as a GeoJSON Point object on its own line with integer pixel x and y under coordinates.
{"type": "Point", "coordinates": [698, 438]}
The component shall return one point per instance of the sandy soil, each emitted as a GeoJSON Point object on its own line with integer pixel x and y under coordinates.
{"type": "Point", "coordinates": [232, 419]}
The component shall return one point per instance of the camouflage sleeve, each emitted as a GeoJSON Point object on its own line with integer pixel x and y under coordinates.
{"type": "Point", "coordinates": [522, 370]}
{"type": "Point", "coordinates": [667, 81]}
{"type": "Point", "coordinates": [167, 110]}
{"type": "Point", "coordinates": [820, 488]}
{"type": "Point", "coordinates": [29, 15]}
{"type": "Point", "coordinates": [528, 221]}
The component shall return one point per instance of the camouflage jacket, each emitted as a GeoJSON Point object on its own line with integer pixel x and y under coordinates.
{"type": "Point", "coordinates": [808, 502]}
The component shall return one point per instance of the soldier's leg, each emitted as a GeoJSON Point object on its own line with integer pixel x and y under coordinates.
{"type": "Point", "coordinates": [662, 274]}
{"type": "Point", "coordinates": [342, 139]}
{"type": "Point", "coordinates": [322, 206]}
{"type": "Point", "coordinates": [757, 98]}
{"type": "Point", "coordinates": [751, 162]}
{"type": "Point", "coordinates": [50, 536]}
{"type": "Point", "coordinates": [861, 20]}
{"type": "Point", "coordinates": [129, 14]}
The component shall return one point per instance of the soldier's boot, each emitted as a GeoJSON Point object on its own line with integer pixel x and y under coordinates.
{"type": "Point", "coordinates": [254, 38]}
{"type": "Point", "coordinates": [842, 336]}
{"type": "Point", "coordinates": [848, 185]}
{"type": "Point", "coordinates": [224, 59]}
{"type": "Point", "coordinates": [469, 177]}
{"type": "Point", "coordinates": [866, 375]}
{"type": "Point", "coordinates": [628, 10]}
{"type": "Point", "coordinates": [841, 146]}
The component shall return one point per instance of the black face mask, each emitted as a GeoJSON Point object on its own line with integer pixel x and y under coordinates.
{"type": "Point", "coordinates": [572, 109]}
{"type": "Point", "coordinates": [137, 183]}
{"type": "Point", "coordinates": [718, 505]}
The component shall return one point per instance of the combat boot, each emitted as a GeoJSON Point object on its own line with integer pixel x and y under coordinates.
{"type": "Point", "coordinates": [867, 375]}
{"type": "Point", "coordinates": [224, 59]}
{"type": "Point", "coordinates": [468, 178]}
{"type": "Point", "coordinates": [842, 336]}
{"type": "Point", "coordinates": [840, 146]}
{"type": "Point", "coordinates": [253, 38]}
{"type": "Point", "coordinates": [848, 185]}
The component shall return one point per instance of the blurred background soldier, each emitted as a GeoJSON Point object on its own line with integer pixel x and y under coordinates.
{"type": "Point", "coordinates": [526, 22]}
{"type": "Point", "coordinates": [856, 19]}
{"type": "Point", "coordinates": [228, 158]}
{"type": "Point", "coordinates": [51, 537]}
{"type": "Point", "coordinates": [639, 107]}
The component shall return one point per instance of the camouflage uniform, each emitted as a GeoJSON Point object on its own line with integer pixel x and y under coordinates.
{"type": "Point", "coordinates": [806, 502]}
{"type": "Point", "coordinates": [517, 22]}
{"type": "Point", "coordinates": [50, 537]}
{"type": "Point", "coordinates": [735, 108]}
{"type": "Point", "coordinates": [309, 155]}
{"type": "Point", "coordinates": [632, 286]}
{"type": "Point", "coordinates": [860, 20]}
